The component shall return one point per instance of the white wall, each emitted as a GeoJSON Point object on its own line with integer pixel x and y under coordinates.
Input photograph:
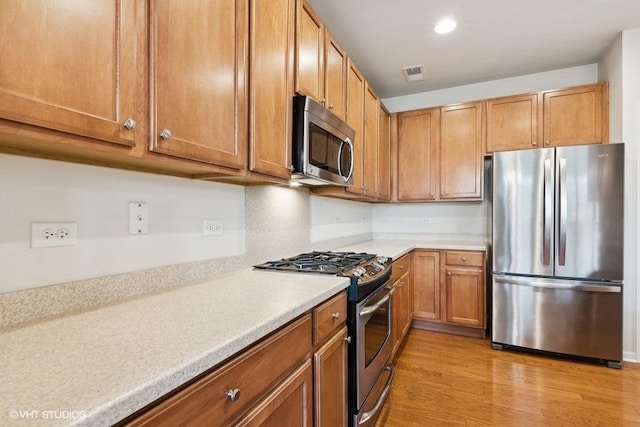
{"type": "Point", "coordinates": [97, 199]}
{"type": "Point", "coordinates": [335, 218]}
{"type": "Point", "coordinates": [573, 76]}
{"type": "Point", "coordinates": [260, 222]}
{"type": "Point", "coordinates": [621, 66]}
{"type": "Point", "coordinates": [439, 218]}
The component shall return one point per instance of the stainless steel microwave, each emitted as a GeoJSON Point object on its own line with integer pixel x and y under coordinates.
{"type": "Point", "coordinates": [322, 145]}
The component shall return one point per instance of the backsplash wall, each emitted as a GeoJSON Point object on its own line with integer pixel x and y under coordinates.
{"type": "Point", "coordinates": [260, 223]}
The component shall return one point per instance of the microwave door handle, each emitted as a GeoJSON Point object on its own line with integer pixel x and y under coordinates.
{"type": "Point", "coordinates": [340, 152]}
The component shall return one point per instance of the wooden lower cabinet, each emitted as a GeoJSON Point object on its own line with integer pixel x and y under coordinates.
{"type": "Point", "coordinates": [450, 291]}
{"type": "Point", "coordinates": [296, 376]}
{"type": "Point", "coordinates": [330, 373]}
{"type": "Point", "coordinates": [426, 285]}
{"type": "Point", "coordinates": [402, 306]}
{"type": "Point", "coordinates": [289, 404]}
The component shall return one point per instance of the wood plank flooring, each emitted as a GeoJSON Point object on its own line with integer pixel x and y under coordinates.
{"type": "Point", "coordinates": [448, 380]}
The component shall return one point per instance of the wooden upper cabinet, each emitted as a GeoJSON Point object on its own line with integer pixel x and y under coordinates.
{"type": "Point", "coordinates": [512, 123]}
{"type": "Point", "coordinates": [461, 157]}
{"type": "Point", "coordinates": [72, 67]}
{"type": "Point", "coordinates": [271, 86]}
{"type": "Point", "coordinates": [371, 130]}
{"type": "Point", "coordinates": [309, 54]}
{"type": "Point", "coordinates": [321, 64]}
{"type": "Point", "coordinates": [198, 80]}
{"type": "Point", "coordinates": [355, 119]}
{"type": "Point", "coordinates": [335, 76]}
{"type": "Point", "coordinates": [418, 152]}
{"type": "Point", "coordinates": [576, 115]}
{"type": "Point", "coordinates": [384, 152]}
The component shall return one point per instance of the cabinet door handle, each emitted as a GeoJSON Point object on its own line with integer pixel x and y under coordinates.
{"type": "Point", "coordinates": [348, 339]}
{"type": "Point", "coordinates": [335, 315]}
{"type": "Point", "coordinates": [448, 273]}
{"type": "Point", "coordinates": [233, 394]}
{"type": "Point", "coordinates": [534, 143]}
{"type": "Point", "coordinates": [330, 107]}
{"type": "Point", "coordinates": [401, 267]}
{"type": "Point", "coordinates": [130, 124]}
{"type": "Point", "coordinates": [165, 134]}
{"type": "Point", "coordinates": [464, 258]}
{"type": "Point", "coordinates": [547, 142]}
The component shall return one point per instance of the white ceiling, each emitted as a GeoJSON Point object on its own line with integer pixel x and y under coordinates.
{"type": "Point", "coordinates": [494, 39]}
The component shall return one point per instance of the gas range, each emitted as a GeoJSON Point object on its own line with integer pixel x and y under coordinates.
{"type": "Point", "coordinates": [366, 271]}
{"type": "Point", "coordinates": [369, 323]}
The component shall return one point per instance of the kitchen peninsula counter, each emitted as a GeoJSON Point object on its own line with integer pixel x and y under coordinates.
{"type": "Point", "coordinates": [98, 366]}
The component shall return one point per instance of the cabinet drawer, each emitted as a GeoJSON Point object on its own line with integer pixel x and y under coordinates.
{"type": "Point", "coordinates": [400, 267]}
{"type": "Point", "coordinates": [329, 316]}
{"type": "Point", "coordinates": [470, 259]}
{"type": "Point", "coordinates": [205, 401]}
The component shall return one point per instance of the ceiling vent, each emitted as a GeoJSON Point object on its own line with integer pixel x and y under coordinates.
{"type": "Point", "coordinates": [413, 74]}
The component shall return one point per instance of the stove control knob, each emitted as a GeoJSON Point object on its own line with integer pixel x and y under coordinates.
{"type": "Point", "coordinates": [359, 272]}
{"type": "Point", "coordinates": [382, 259]}
{"type": "Point", "coordinates": [378, 266]}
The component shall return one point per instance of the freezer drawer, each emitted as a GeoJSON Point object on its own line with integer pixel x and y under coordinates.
{"type": "Point", "coordinates": [562, 316]}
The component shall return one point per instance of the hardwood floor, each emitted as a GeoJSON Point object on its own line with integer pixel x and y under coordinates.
{"type": "Point", "coordinates": [448, 380]}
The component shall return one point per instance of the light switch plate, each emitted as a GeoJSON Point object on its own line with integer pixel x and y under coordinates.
{"type": "Point", "coordinates": [138, 218]}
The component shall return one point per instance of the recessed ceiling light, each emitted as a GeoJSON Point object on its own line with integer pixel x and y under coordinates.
{"type": "Point", "coordinates": [445, 26]}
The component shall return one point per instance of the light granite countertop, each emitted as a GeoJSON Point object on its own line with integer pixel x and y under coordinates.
{"type": "Point", "coordinates": [98, 366]}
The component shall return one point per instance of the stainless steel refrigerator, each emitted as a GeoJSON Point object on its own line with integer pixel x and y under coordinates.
{"type": "Point", "coordinates": [558, 250]}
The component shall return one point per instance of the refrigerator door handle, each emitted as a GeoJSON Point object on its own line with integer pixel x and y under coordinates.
{"type": "Point", "coordinates": [559, 284]}
{"type": "Point", "coordinates": [548, 213]}
{"type": "Point", "coordinates": [562, 226]}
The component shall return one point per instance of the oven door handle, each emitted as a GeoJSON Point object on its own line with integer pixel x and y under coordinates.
{"type": "Point", "coordinates": [371, 308]}
{"type": "Point", "coordinates": [383, 396]}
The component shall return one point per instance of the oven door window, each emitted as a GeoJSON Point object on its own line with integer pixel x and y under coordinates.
{"type": "Point", "coordinates": [324, 149]}
{"type": "Point", "coordinates": [376, 331]}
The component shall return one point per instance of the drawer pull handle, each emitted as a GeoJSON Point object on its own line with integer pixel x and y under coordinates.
{"type": "Point", "coordinates": [233, 394]}
{"type": "Point", "coordinates": [464, 258]}
{"type": "Point", "coordinates": [401, 267]}
{"type": "Point", "coordinates": [348, 339]}
{"type": "Point", "coordinates": [335, 315]}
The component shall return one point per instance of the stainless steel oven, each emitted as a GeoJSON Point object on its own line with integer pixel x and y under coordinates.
{"type": "Point", "coordinates": [372, 345]}
{"type": "Point", "coordinates": [369, 323]}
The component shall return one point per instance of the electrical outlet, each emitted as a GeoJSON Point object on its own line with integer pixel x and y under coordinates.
{"type": "Point", "coordinates": [213, 227]}
{"type": "Point", "coordinates": [425, 220]}
{"type": "Point", "coordinates": [52, 234]}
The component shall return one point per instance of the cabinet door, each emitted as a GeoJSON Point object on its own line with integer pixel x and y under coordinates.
{"type": "Point", "coordinates": [271, 86]}
{"type": "Point", "coordinates": [371, 114]}
{"type": "Point", "coordinates": [575, 116]}
{"type": "Point", "coordinates": [72, 66]}
{"type": "Point", "coordinates": [289, 404]}
{"type": "Point", "coordinates": [335, 76]}
{"type": "Point", "coordinates": [418, 139]}
{"type": "Point", "coordinates": [461, 157]}
{"type": "Point", "coordinates": [384, 155]}
{"type": "Point", "coordinates": [355, 119]}
{"type": "Point", "coordinates": [401, 309]}
{"type": "Point", "coordinates": [309, 50]}
{"type": "Point", "coordinates": [426, 285]}
{"type": "Point", "coordinates": [198, 83]}
{"type": "Point", "coordinates": [330, 366]}
{"type": "Point", "coordinates": [512, 123]}
{"type": "Point", "coordinates": [465, 296]}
